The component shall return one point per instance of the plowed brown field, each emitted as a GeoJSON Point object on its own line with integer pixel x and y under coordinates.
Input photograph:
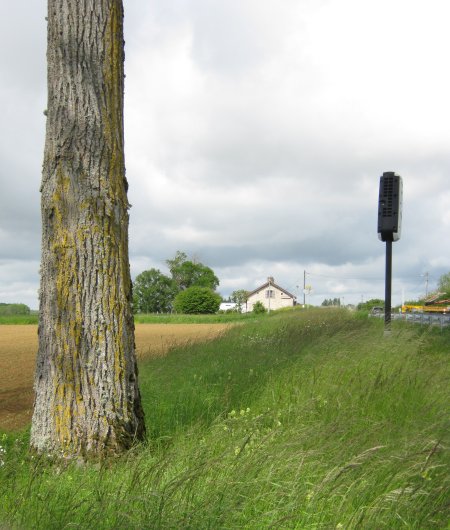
{"type": "Point", "coordinates": [18, 346]}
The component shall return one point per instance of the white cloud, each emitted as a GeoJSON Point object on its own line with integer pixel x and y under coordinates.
{"type": "Point", "coordinates": [256, 132]}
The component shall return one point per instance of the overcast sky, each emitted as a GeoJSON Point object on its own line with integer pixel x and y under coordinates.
{"type": "Point", "coordinates": [256, 132]}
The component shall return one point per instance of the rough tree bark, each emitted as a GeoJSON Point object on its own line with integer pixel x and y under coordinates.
{"type": "Point", "coordinates": [87, 399]}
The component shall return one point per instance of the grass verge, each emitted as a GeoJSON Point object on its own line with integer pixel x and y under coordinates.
{"type": "Point", "coordinates": [19, 319]}
{"type": "Point", "coordinates": [302, 420]}
{"type": "Point", "coordinates": [151, 318]}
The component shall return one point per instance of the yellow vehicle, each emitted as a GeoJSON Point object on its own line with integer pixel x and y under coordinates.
{"type": "Point", "coordinates": [407, 308]}
{"type": "Point", "coordinates": [431, 305]}
{"type": "Point", "coordinates": [425, 309]}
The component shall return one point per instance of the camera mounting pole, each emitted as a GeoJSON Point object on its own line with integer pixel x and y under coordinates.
{"type": "Point", "coordinates": [389, 229]}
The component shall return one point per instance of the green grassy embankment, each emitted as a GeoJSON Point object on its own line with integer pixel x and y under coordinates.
{"type": "Point", "coordinates": [307, 420]}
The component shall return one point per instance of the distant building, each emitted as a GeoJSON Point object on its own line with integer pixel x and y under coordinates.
{"type": "Point", "coordinates": [271, 295]}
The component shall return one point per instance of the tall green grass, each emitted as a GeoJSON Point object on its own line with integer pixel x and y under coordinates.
{"type": "Point", "coordinates": [307, 420]}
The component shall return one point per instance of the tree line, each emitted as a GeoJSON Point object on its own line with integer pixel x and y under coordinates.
{"type": "Point", "coordinates": [332, 302]}
{"type": "Point", "coordinates": [14, 309]}
{"type": "Point", "coordinates": [190, 288]}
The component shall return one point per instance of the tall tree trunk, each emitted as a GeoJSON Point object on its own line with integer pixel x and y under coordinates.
{"type": "Point", "coordinates": [87, 399]}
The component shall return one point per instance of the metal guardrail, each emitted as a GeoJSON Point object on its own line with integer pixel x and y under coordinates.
{"type": "Point", "coordinates": [420, 318]}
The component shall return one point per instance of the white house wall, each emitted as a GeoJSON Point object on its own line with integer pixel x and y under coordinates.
{"type": "Point", "coordinates": [279, 299]}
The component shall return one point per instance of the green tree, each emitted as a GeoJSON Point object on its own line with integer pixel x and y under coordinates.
{"type": "Point", "coordinates": [153, 292]}
{"type": "Point", "coordinates": [370, 303]}
{"type": "Point", "coordinates": [174, 265]}
{"type": "Point", "coordinates": [444, 284]}
{"type": "Point", "coordinates": [239, 297]}
{"type": "Point", "coordinates": [187, 273]}
{"type": "Point", "coordinates": [332, 302]}
{"type": "Point", "coordinates": [197, 300]}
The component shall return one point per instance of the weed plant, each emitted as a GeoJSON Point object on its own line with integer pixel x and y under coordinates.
{"type": "Point", "coordinates": [305, 420]}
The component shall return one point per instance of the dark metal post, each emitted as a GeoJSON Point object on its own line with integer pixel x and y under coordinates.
{"type": "Point", "coordinates": [388, 286]}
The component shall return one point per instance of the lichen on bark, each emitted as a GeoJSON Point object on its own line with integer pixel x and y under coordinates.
{"type": "Point", "coordinates": [87, 399]}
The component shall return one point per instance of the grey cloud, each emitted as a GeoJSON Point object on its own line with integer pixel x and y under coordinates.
{"type": "Point", "coordinates": [19, 281]}
{"type": "Point", "coordinates": [232, 47]}
{"type": "Point", "coordinates": [21, 136]}
{"type": "Point", "coordinates": [244, 146]}
{"type": "Point", "coordinates": [23, 36]}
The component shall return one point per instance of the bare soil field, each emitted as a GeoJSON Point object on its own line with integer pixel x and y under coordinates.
{"type": "Point", "coordinates": [18, 346]}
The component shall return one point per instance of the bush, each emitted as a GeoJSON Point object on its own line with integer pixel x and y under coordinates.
{"type": "Point", "coordinates": [258, 308]}
{"type": "Point", "coordinates": [197, 300]}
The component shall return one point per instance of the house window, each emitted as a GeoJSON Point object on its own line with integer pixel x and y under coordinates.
{"type": "Point", "coordinates": [270, 293]}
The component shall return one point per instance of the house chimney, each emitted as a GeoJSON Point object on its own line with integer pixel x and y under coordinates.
{"type": "Point", "coordinates": [270, 279]}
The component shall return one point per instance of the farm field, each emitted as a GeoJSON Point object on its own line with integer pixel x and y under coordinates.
{"type": "Point", "coordinates": [18, 346]}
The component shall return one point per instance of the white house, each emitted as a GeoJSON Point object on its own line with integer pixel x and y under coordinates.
{"type": "Point", "coordinates": [271, 295]}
